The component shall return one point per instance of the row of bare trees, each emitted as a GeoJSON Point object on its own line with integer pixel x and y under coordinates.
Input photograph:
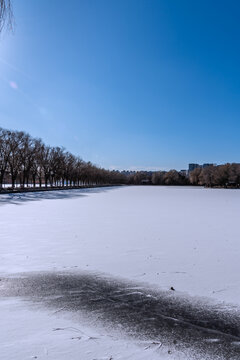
{"type": "Point", "coordinates": [227, 175]}
{"type": "Point", "coordinates": [25, 160]}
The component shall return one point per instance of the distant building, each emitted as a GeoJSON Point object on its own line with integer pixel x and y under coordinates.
{"type": "Point", "coordinates": [207, 165]}
{"type": "Point", "coordinates": [192, 167]}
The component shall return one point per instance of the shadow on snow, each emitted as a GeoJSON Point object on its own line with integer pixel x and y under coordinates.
{"type": "Point", "coordinates": [187, 325]}
{"type": "Point", "coordinates": [21, 198]}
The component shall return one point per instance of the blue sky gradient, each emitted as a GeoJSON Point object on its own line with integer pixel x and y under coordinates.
{"type": "Point", "coordinates": [127, 84]}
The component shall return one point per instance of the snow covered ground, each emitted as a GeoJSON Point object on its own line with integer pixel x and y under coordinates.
{"type": "Point", "coordinates": [30, 333]}
{"type": "Point", "coordinates": [181, 237]}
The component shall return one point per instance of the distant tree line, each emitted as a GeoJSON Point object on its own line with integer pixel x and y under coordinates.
{"type": "Point", "coordinates": [171, 177]}
{"type": "Point", "coordinates": [227, 175]}
{"type": "Point", "coordinates": [25, 160]}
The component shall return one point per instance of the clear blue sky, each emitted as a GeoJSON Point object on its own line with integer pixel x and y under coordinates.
{"type": "Point", "coordinates": [137, 84]}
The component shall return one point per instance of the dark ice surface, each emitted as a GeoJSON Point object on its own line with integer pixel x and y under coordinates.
{"type": "Point", "coordinates": [204, 329]}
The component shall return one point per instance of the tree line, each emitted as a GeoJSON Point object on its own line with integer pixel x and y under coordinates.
{"type": "Point", "coordinates": [227, 175]}
{"type": "Point", "coordinates": [171, 177]}
{"type": "Point", "coordinates": [25, 160]}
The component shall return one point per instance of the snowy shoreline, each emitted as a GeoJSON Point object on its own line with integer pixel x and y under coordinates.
{"type": "Point", "coordinates": [18, 190]}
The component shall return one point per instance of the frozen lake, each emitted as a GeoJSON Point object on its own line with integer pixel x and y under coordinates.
{"type": "Point", "coordinates": [181, 237]}
{"type": "Point", "coordinates": [185, 237]}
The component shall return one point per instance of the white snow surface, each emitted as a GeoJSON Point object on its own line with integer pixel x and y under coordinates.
{"type": "Point", "coordinates": [183, 237]}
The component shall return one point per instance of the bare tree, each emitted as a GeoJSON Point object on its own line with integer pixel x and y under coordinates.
{"type": "Point", "coordinates": [36, 166]}
{"type": "Point", "coordinates": [26, 153]}
{"type": "Point", "coordinates": [44, 160]}
{"type": "Point", "coordinates": [158, 177]}
{"type": "Point", "coordinates": [16, 142]}
{"type": "Point", "coordinates": [208, 176]}
{"type": "Point", "coordinates": [6, 15]}
{"type": "Point", "coordinates": [234, 174]}
{"type": "Point", "coordinates": [194, 176]}
{"type": "Point", "coordinates": [5, 151]}
{"type": "Point", "coordinates": [56, 161]}
{"type": "Point", "coordinates": [173, 177]}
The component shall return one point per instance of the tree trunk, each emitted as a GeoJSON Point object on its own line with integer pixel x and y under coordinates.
{"type": "Point", "coordinates": [13, 181]}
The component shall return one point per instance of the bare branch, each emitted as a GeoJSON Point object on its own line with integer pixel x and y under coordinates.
{"type": "Point", "coordinates": [6, 15]}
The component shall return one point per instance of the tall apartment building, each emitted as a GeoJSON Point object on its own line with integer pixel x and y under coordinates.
{"type": "Point", "coordinates": [192, 167]}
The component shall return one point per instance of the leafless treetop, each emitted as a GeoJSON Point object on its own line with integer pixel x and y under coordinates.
{"type": "Point", "coordinates": [6, 15]}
